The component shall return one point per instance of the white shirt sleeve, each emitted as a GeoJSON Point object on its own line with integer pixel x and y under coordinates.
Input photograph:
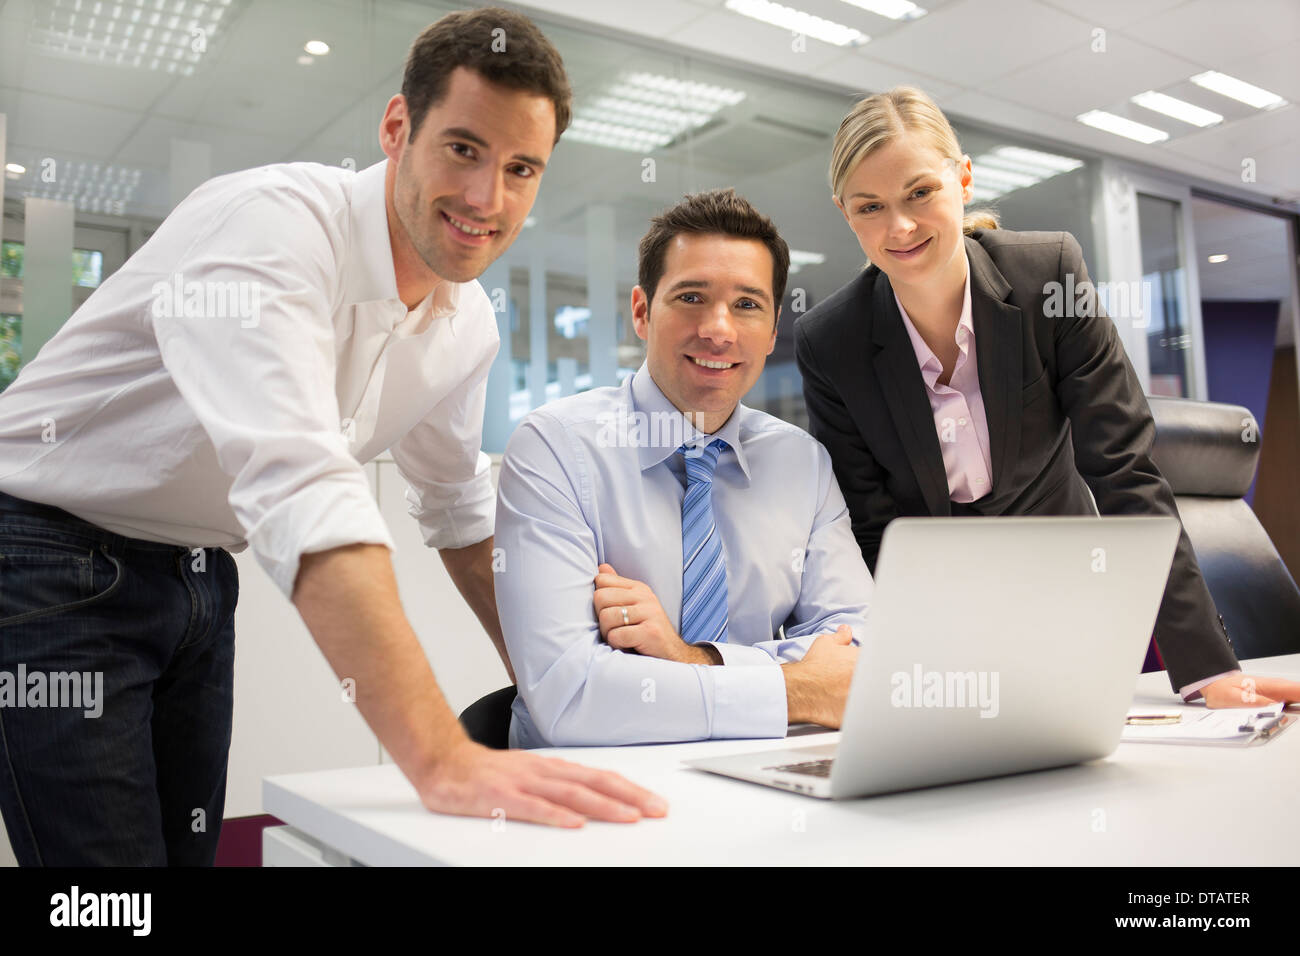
{"type": "Point", "coordinates": [261, 383]}
{"type": "Point", "coordinates": [449, 479]}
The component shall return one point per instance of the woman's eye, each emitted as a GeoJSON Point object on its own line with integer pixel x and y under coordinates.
{"type": "Point", "coordinates": [868, 209]}
{"type": "Point", "coordinates": [923, 192]}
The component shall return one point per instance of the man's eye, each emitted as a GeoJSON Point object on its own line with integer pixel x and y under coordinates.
{"type": "Point", "coordinates": [749, 304]}
{"type": "Point", "coordinates": [524, 172]}
{"type": "Point", "coordinates": [461, 149]}
{"type": "Point", "coordinates": [689, 296]}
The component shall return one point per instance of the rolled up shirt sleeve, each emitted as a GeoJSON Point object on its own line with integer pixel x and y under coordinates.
{"type": "Point", "coordinates": [260, 380]}
{"type": "Point", "coordinates": [449, 478]}
{"type": "Point", "coordinates": [578, 690]}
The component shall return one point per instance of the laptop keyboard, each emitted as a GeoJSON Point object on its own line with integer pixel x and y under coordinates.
{"type": "Point", "coordinates": [813, 768]}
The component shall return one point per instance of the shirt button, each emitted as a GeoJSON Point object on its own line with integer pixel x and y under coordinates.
{"type": "Point", "coordinates": [961, 421]}
{"type": "Point", "coordinates": [979, 481]}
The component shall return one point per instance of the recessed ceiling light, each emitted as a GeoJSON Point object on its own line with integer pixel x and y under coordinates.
{"type": "Point", "coordinates": [894, 9]}
{"type": "Point", "coordinates": [1178, 109]}
{"type": "Point", "coordinates": [828, 31]}
{"type": "Point", "coordinates": [801, 257]}
{"type": "Point", "coordinates": [317, 47]}
{"type": "Point", "coordinates": [1238, 90]}
{"type": "Point", "coordinates": [1110, 123]}
{"type": "Point", "coordinates": [1219, 257]}
{"type": "Point", "coordinates": [15, 168]}
{"type": "Point", "coordinates": [305, 60]}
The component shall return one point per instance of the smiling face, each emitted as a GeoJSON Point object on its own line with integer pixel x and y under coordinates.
{"type": "Point", "coordinates": [711, 324]}
{"type": "Point", "coordinates": [905, 202]}
{"type": "Point", "coordinates": [463, 187]}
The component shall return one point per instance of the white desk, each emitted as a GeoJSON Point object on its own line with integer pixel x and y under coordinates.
{"type": "Point", "coordinates": [1155, 804]}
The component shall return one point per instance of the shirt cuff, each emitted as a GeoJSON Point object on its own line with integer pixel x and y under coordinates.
{"type": "Point", "coordinates": [325, 514]}
{"type": "Point", "coordinates": [468, 518]}
{"type": "Point", "coordinates": [1193, 691]}
{"type": "Point", "coordinates": [739, 655]}
{"type": "Point", "coordinates": [748, 703]}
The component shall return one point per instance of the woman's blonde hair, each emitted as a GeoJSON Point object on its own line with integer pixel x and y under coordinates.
{"type": "Point", "coordinates": [878, 120]}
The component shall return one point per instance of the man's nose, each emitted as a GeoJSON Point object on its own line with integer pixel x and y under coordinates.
{"type": "Point", "coordinates": [485, 191]}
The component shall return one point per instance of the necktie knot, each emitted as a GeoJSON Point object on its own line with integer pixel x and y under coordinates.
{"type": "Point", "coordinates": [702, 460]}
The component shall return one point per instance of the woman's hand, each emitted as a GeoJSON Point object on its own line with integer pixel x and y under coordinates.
{"type": "Point", "coordinates": [1243, 690]}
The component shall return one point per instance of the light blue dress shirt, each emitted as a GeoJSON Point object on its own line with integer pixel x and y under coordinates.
{"type": "Point", "coordinates": [596, 478]}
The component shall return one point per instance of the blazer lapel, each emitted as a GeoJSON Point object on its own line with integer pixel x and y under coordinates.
{"type": "Point", "coordinates": [998, 341]}
{"type": "Point", "coordinates": [904, 390]}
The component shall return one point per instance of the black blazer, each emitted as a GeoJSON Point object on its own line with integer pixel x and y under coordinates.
{"type": "Point", "coordinates": [1065, 412]}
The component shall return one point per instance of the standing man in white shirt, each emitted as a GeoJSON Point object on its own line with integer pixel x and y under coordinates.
{"type": "Point", "coordinates": [283, 326]}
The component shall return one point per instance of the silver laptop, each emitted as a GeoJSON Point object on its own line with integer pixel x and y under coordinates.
{"type": "Point", "coordinates": [993, 646]}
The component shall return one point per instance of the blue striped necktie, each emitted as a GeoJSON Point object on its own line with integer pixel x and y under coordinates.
{"type": "Point", "coordinates": [704, 570]}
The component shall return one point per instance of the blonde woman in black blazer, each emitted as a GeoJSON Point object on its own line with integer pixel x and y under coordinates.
{"type": "Point", "coordinates": [1063, 411]}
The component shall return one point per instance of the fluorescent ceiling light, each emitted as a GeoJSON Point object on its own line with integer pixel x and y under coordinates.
{"type": "Point", "coordinates": [1110, 123]}
{"type": "Point", "coordinates": [894, 9]}
{"type": "Point", "coordinates": [1005, 169]}
{"type": "Point", "coordinates": [828, 31]}
{"type": "Point", "coordinates": [800, 258]}
{"type": "Point", "coordinates": [1219, 257]}
{"type": "Point", "coordinates": [169, 36]}
{"type": "Point", "coordinates": [15, 168]}
{"type": "Point", "coordinates": [1238, 90]}
{"type": "Point", "coordinates": [1034, 158]}
{"type": "Point", "coordinates": [639, 112]}
{"type": "Point", "coordinates": [316, 47]}
{"type": "Point", "coordinates": [1178, 109]}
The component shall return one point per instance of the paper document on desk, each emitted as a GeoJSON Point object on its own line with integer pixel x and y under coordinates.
{"type": "Point", "coordinates": [1200, 725]}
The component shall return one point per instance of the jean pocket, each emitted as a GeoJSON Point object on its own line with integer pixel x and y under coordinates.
{"type": "Point", "coordinates": [40, 576]}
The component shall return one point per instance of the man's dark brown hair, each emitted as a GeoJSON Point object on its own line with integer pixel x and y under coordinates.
{"type": "Point", "coordinates": [502, 47]}
{"type": "Point", "coordinates": [717, 212]}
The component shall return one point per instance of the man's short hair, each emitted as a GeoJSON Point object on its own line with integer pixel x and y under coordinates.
{"type": "Point", "coordinates": [504, 48]}
{"type": "Point", "coordinates": [716, 212]}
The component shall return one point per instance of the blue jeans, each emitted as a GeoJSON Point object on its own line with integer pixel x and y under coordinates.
{"type": "Point", "coordinates": [116, 690]}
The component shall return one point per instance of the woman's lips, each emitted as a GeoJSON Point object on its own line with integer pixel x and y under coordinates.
{"type": "Point", "coordinates": [910, 253]}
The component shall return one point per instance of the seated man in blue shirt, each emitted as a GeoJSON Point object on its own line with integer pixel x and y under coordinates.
{"type": "Point", "coordinates": [657, 535]}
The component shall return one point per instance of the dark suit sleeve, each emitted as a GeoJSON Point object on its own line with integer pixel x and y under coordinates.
{"type": "Point", "coordinates": [1112, 431]}
{"type": "Point", "coordinates": [861, 479]}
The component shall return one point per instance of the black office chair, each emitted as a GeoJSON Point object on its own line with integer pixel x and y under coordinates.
{"type": "Point", "coordinates": [487, 720]}
{"type": "Point", "coordinates": [1204, 452]}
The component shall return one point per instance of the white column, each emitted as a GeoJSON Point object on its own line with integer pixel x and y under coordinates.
{"type": "Point", "coordinates": [191, 167]}
{"type": "Point", "coordinates": [496, 420]}
{"type": "Point", "coordinates": [539, 323]}
{"type": "Point", "coordinates": [1115, 222]}
{"type": "Point", "coordinates": [47, 271]}
{"type": "Point", "coordinates": [3, 176]}
{"type": "Point", "coordinates": [566, 370]}
{"type": "Point", "coordinates": [602, 296]}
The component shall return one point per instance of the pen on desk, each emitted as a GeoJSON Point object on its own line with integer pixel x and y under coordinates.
{"type": "Point", "coordinates": [1146, 720]}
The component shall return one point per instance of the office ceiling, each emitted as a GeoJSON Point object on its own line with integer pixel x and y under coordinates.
{"type": "Point", "coordinates": [1024, 65]}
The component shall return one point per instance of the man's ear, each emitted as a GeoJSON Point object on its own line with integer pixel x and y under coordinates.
{"type": "Point", "coordinates": [640, 312]}
{"type": "Point", "coordinates": [393, 128]}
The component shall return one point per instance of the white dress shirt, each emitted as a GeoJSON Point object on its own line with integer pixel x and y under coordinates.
{"type": "Point", "coordinates": [241, 410]}
{"type": "Point", "coordinates": [581, 486]}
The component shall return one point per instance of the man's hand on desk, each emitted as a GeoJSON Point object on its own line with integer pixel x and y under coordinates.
{"type": "Point", "coordinates": [647, 629]}
{"type": "Point", "coordinates": [1243, 690]}
{"type": "Point", "coordinates": [474, 781]}
{"type": "Point", "coordinates": [817, 686]}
